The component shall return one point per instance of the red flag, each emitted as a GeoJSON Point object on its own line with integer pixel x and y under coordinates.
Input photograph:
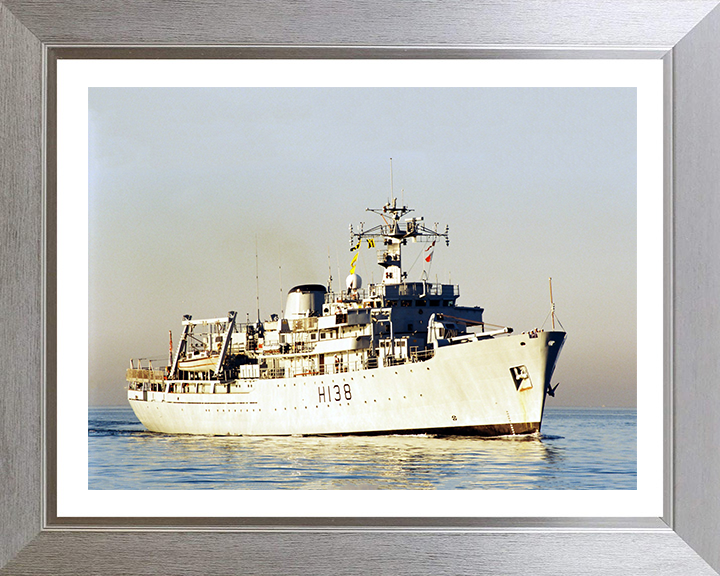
{"type": "Point", "coordinates": [430, 249]}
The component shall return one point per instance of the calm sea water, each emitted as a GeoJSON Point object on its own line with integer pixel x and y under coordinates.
{"type": "Point", "coordinates": [578, 449]}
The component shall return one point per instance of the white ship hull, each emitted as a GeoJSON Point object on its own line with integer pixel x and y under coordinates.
{"type": "Point", "coordinates": [489, 387]}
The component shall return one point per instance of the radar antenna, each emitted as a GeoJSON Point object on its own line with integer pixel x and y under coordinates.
{"type": "Point", "coordinates": [395, 233]}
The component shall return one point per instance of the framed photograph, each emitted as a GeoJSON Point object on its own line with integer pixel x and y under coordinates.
{"type": "Point", "coordinates": [456, 143]}
{"type": "Point", "coordinates": [65, 110]}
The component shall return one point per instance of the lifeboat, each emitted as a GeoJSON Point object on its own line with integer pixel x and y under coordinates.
{"type": "Point", "coordinates": [203, 361]}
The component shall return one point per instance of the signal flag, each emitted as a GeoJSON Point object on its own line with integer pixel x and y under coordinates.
{"type": "Point", "coordinates": [430, 250]}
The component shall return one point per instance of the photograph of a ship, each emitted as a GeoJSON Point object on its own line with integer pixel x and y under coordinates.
{"type": "Point", "coordinates": [321, 368]}
{"type": "Point", "coordinates": [245, 318]}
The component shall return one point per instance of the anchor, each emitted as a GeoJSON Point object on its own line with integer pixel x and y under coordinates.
{"type": "Point", "coordinates": [551, 389]}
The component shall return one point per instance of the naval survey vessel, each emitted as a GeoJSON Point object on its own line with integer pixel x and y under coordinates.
{"type": "Point", "coordinates": [397, 357]}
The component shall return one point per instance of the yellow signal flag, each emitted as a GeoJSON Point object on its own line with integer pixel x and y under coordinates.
{"type": "Point", "coordinates": [356, 246]}
{"type": "Point", "coordinates": [371, 242]}
{"type": "Point", "coordinates": [353, 262]}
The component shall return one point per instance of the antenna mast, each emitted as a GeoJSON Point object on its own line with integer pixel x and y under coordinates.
{"type": "Point", "coordinates": [395, 233]}
{"type": "Point", "coordinates": [552, 305]}
{"type": "Point", "coordinates": [392, 193]}
{"type": "Point", "coordinates": [329, 289]}
{"type": "Point", "coordinates": [257, 279]}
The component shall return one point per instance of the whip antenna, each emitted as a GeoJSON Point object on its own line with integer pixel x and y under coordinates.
{"type": "Point", "coordinates": [257, 279]}
{"type": "Point", "coordinates": [552, 305]}
{"type": "Point", "coordinates": [329, 273]}
{"type": "Point", "coordinates": [392, 193]}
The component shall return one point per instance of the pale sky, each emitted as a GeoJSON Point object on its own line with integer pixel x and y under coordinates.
{"type": "Point", "coordinates": [533, 182]}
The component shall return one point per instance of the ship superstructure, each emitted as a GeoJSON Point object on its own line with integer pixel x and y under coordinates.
{"type": "Point", "coordinates": [396, 357]}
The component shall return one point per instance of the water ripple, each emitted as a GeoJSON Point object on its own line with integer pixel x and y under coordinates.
{"type": "Point", "coordinates": [578, 449]}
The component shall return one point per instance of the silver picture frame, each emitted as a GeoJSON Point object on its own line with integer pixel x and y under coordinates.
{"type": "Point", "coordinates": [684, 34]}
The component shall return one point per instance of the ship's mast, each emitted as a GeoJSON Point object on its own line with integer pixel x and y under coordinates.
{"type": "Point", "coordinates": [552, 305]}
{"type": "Point", "coordinates": [395, 234]}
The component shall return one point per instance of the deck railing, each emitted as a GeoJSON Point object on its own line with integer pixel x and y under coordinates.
{"type": "Point", "coordinates": [322, 370]}
{"type": "Point", "coordinates": [417, 355]}
{"type": "Point", "coordinates": [144, 375]}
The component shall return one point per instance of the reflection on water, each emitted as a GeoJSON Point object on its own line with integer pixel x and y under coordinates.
{"type": "Point", "coordinates": [603, 455]}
